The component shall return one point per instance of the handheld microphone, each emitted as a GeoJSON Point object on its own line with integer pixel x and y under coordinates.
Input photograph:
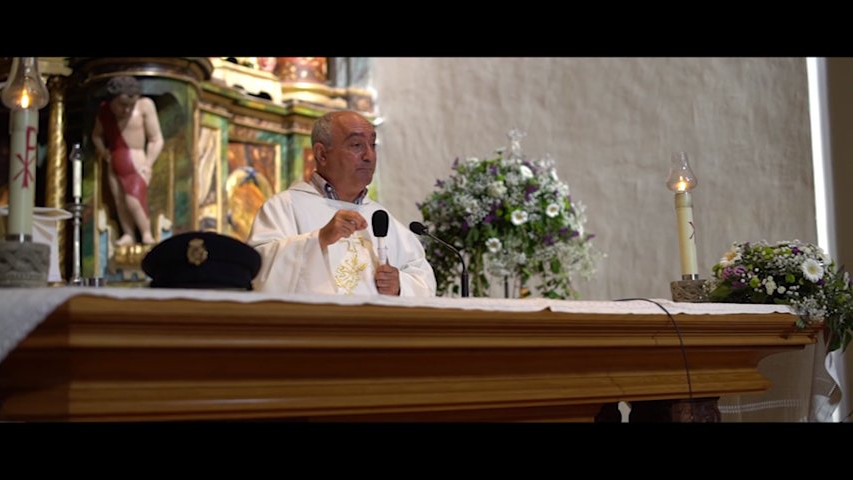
{"type": "Point", "coordinates": [419, 229]}
{"type": "Point", "coordinates": [380, 231]}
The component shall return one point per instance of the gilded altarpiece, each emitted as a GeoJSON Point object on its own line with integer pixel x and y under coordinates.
{"type": "Point", "coordinates": [226, 150]}
{"type": "Point", "coordinates": [264, 148]}
{"type": "Point", "coordinates": [172, 191]}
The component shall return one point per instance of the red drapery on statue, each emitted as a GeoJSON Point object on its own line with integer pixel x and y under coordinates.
{"type": "Point", "coordinates": [122, 163]}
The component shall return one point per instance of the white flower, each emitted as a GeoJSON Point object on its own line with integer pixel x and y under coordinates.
{"type": "Point", "coordinates": [770, 285]}
{"type": "Point", "coordinates": [473, 161]}
{"type": "Point", "coordinates": [526, 173]}
{"type": "Point", "coordinates": [812, 270]}
{"type": "Point", "coordinates": [497, 189]}
{"type": "Point", "coordinates": [493, 244]}
{"type": "Point", "coordinates": [552, 210]}
{"type": "Point", "coordinates": [729, 258]}
{"type": "Point", "coordinates": [554, 175]}
{"type": "Point", "coordinates": [471, 205]}
{"type": "Point", "coordinates": [519, 217]}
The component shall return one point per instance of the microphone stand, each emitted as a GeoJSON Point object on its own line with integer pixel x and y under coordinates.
{"type": "Point", "coordinates": [464, 276]}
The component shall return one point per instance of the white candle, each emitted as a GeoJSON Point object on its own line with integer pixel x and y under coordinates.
{"type": "Point", "coordinates": [78, 179]}
{"type": "Point", "coordinates": [23, 129]}
{"type": "Point", "coordinates": [686, 234]}
{"type": "Point", "coordinates": [77, 176]}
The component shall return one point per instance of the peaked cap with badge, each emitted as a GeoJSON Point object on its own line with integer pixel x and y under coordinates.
{"type": "Point", "coordinates": [202, 260]}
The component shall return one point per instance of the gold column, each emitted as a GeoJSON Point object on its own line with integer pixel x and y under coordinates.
{"type": "Point", "coordinates": [57, 167]}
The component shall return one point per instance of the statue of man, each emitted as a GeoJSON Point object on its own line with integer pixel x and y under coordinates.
{"type": "Point", "coordinates": [127, 137]}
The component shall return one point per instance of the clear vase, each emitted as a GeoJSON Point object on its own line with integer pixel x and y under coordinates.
{"type": "Point", "coordinates": [513, 287]}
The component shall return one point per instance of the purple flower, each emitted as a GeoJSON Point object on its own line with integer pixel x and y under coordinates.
{"type": "Point", "coordinates": [465, 227]}
{"type": "Point", "coordinates": [548, 239]}
{"type": "Point", "coordinates": [795, 251]}
{"type": "Point", "coordinates": [455, 165]}
{"type": "Point", "coordinates": [738, 284]}
{"type": "Point", "coordinates": [439, 183]}
{"type": "Point", "coordinates": [490, 218]}
{"type": "Point", "coordinates": [528, 190]}
{"type": "Point", "coordinates": [738, 271]}
{"type": "Point", "coordinates": [494, 170]}
{"type": "Point", "coordinates": [566, 233]}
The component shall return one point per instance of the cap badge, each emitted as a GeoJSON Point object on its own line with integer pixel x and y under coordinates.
{"type": "Point", "coordinates": [196, 253]}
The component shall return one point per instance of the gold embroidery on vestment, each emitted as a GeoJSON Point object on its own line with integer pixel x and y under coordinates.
{"type": "Point", "coordinates": [348, 273]}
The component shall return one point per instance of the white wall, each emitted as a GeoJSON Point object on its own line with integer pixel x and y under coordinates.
{"type": "Point", "coordinates": [611, 124]}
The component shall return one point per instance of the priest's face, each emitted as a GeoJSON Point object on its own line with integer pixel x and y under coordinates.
{"type": "Point", "coordinates": [350, 160]}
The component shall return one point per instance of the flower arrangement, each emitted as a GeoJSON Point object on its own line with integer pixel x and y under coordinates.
{"type": "Point", "coordinates": [512, 217]}
{"type": "Point", "coordinates": [794, 273]}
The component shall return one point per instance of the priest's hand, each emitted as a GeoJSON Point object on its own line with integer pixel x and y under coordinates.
{"type": "Point", "coordinates": [343, 224]}
{"type": "Point", "coordinates": [387, 280]}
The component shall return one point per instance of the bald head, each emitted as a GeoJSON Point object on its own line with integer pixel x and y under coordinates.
{"type": "Point", "coordinates": [322, 131]}
{"type": "Point", "coordinates": [344, 146]}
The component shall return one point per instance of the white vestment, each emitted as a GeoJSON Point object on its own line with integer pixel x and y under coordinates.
{"type": "Point", "coordinates": [286, 234]}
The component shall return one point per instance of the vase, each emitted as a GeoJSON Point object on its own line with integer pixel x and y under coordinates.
{"type": "Point", "coordinates": [514, 287]}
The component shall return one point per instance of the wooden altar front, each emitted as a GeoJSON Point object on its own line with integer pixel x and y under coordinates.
{"type": "Point", "coordinates": [108, 359]}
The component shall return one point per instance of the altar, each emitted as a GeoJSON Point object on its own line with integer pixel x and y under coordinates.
{"type": "Point", "coordinates": [117, 354]}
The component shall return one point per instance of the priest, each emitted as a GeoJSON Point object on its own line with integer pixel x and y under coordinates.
{"type": "Point", "coordinates": [315, 238]}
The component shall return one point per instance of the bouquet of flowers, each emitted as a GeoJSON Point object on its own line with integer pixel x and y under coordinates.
{"type": "Point", "coordinates": [512, 217]}
{"type": "Point", "coordinates": [794, 273]}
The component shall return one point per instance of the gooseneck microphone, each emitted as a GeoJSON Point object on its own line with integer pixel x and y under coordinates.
{"type": "Point", "coordinates": [380, 231]}
{"type": "Point", "coordinates": [419, 229]}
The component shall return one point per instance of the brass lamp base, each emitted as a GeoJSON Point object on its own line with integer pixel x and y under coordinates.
{"type": "Point", "coordinates": [23, 264]}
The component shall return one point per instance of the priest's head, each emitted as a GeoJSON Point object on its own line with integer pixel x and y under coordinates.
{"type": "Point", "coordinates": [344, 146]}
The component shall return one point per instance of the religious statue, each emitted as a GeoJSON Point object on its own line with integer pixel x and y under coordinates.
{"type": "Point", "coordinates": [127, 137]}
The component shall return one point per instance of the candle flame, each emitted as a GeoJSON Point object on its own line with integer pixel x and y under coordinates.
{"type": "Point", "coordinates": [681, 186]}
{"type": "Point", "coordinates": [25, 99]}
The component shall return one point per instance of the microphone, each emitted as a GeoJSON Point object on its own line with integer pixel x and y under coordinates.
{"type": "Point", "coordinates": [380, 231]}
{"type": "Point", "coordinates": [420, 229]}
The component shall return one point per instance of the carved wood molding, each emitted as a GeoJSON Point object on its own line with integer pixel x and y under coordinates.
{"type": "Point", "coordinates": [110, 359]}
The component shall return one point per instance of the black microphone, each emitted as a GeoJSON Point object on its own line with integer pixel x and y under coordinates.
{"type": "Point", "coordinates": [380, 231]}
{"type": "Point", "coordinates": [420, 229]}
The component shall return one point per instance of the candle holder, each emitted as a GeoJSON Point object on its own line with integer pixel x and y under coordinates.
{"type": "Point", "coordinates": [23, 263]}
{"type": "Point", "coordinates": [681, 180]}
{"type": "Point", "coordinates": [77, 208]}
